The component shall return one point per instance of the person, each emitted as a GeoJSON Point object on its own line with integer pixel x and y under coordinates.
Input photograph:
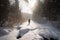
{"type": "Point", "coordinates": [28, 21]}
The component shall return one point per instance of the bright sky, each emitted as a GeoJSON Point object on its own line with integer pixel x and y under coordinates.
{"type": "Point", "coordinates": [26, 7]}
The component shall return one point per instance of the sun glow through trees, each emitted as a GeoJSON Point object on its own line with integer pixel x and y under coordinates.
{"type": "Point", "coordinates": [27, 6]}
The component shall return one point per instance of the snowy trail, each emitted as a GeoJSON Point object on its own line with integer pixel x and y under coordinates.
{"type": "Point", "coordinates": [10, 36]}
{"type": "Point", "coordinates": [34, 31]}
{"type": "Point", "coordinates": [45, 30]}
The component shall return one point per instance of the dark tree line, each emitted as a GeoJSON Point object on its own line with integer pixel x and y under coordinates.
{"type": "Point", "coordinates": [4, 10]}
{"type": "Point", "coordinates": [52, 10]}
{"type": "Point", "coordinates": [49, 9]}
{"type": "Point", "coordinates": [9, 13]}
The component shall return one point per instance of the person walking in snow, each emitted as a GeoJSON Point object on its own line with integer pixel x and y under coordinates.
{"type": "Point", "coordinates": [28, 21]}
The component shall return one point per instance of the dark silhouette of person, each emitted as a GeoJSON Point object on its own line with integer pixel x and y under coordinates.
{"type": "Point", "coordinates": [28, 21]}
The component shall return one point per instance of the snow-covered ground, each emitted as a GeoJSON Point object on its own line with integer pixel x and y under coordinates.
{"type": "Point", "coordinates": [34, 31]}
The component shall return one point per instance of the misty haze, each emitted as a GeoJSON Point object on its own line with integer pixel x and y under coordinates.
{"type": "Point", "coordinates": [29, 20]}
